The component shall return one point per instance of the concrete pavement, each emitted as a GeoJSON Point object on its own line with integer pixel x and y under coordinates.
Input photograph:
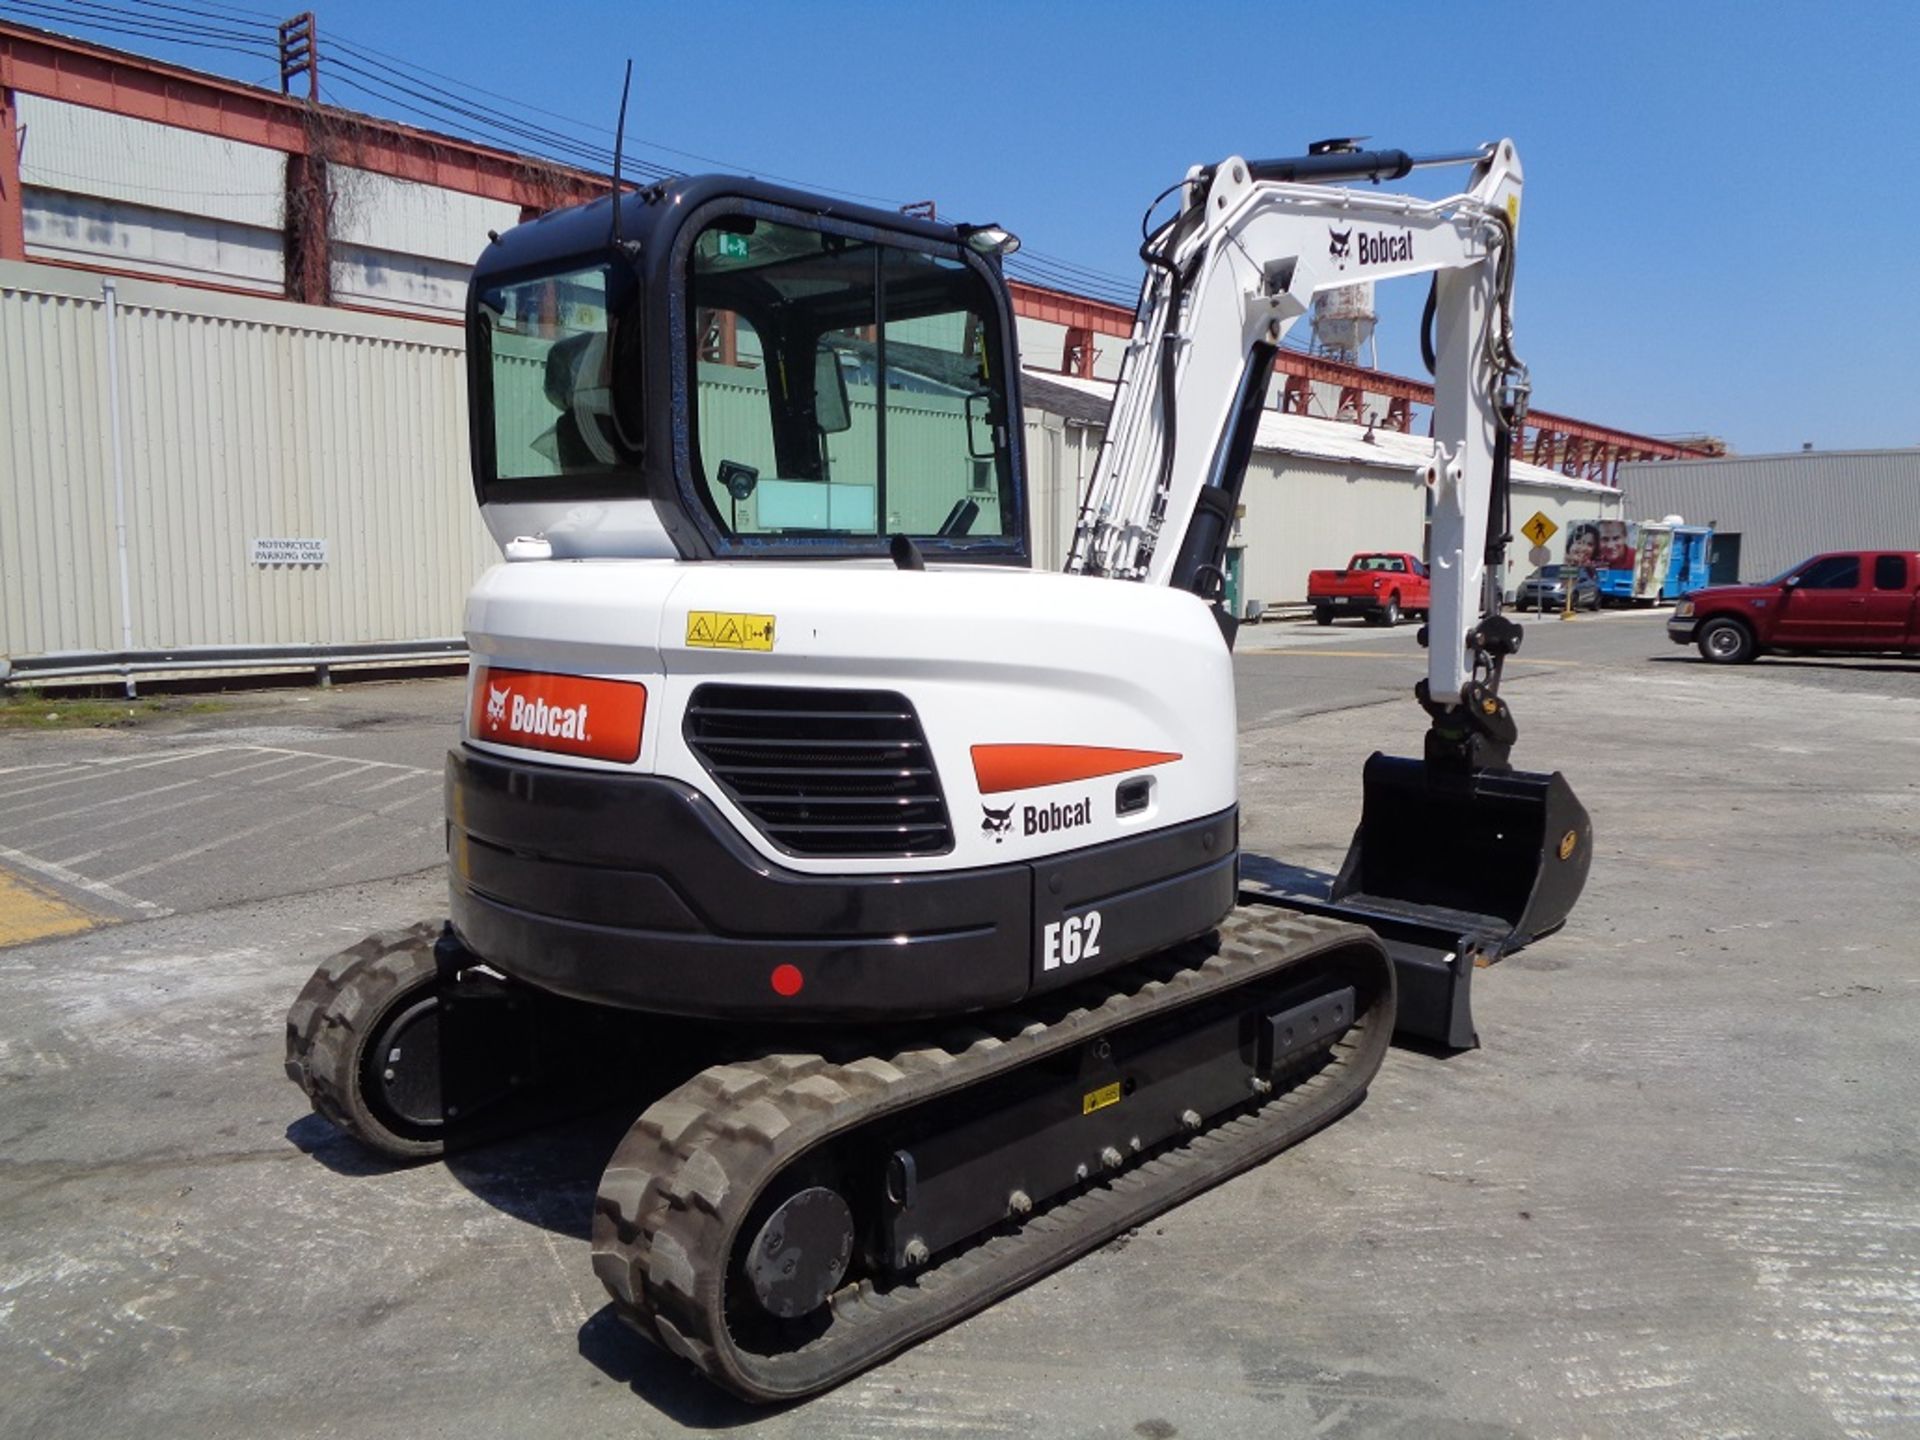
{"type": "Point", "coordinates": [1674, 1194]}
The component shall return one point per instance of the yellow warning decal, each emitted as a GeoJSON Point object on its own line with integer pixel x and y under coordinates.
{"type": "Point", "coordinates": [1099, 1099]}
{"type": "Point", "coordinates": [1513, 209]}
{"type": "Point", "coordinates": [719, 630]}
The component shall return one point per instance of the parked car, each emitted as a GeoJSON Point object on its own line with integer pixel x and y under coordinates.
{"type": "Point", "coordinates": [1849, 600]}
{"type": "Point", "coordinates": [1546, 589]}
{"type": "Point", "coordinates": [1379, 585]}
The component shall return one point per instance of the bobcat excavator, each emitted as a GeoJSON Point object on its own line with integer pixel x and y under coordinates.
{"type": "Point", "coordinates": [778, 740]}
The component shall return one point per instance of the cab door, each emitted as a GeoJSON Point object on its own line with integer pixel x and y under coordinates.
{"type": "Point", "coordinates": [1825, 605]}
{"type": "Point", "coordinates": [1889, 614]}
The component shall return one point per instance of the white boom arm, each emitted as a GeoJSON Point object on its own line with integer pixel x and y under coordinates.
{"type": "Point", "coordinates": [1226, 279]}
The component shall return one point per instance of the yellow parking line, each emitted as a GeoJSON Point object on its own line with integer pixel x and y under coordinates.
{"type": "Point", "coordinates": [29, 912]}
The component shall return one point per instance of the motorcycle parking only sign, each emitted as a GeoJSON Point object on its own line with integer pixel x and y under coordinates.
{"type": "Point", "coordinates": [288, 552]}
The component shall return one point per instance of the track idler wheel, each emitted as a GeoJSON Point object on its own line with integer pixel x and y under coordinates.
{"type": "Point", "coordinates": [799, 1255]}
{"type": "Point", "coordinates": [363, 1042]}
{"type": "Point", "coordinates": [402, 1042]}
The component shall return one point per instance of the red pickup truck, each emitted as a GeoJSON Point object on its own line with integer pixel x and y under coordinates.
{"type": "Point", "coordinates": [1860, 600]}
{"type": "Point", "coordinates": [1382, 586]}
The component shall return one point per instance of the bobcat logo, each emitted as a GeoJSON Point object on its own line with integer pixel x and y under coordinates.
{"type": "Point", "coordinates": [1340, 244]}
{"type": "Point", "coordinates": [496, 706]}
{"type": "Point", "coordinates": [996, 822]}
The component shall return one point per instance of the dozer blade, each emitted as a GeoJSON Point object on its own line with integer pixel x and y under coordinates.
{"type": "Point", "coordinates": [1453, 868]}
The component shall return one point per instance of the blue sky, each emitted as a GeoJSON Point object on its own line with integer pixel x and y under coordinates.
{"type": "Point", "coordinates": [1722, 229]}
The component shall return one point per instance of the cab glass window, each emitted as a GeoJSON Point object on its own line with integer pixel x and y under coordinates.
{"type": "Point", "coordinates": [845, 388]}
{"type": "Point", "coordinates": [1836, 572]}
{"type": "Point", "coordinates": [1890, 572]}
{"type": "Point", "coordinates": [553, 349]}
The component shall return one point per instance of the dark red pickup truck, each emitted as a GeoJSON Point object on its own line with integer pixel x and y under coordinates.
{"type": "Point", "coordinates": [1382, 586]}
{"type": "Point", "coordinates": [1860, 600]}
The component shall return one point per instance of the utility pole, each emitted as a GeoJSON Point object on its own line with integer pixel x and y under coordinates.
{"type": "Point", "coordinates": [300, 54]}
{"type": "Point", "coordinates": [306, 222]}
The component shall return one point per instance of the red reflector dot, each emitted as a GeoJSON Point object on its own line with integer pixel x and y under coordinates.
{"type": "Point", "coordinates": [787, 980]}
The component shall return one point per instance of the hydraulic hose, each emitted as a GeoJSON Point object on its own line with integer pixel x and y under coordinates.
{"type": "Point", "coordinates": [1169, 342]}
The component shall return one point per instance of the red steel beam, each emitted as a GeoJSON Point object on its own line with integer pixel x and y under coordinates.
{"type": "Point", "coordinates": [1379, 382]}
{"type": "Point", "coordinates": [1077, 312]}
{"type": "Point", "coordinates": [13, 235]}
{"type": "Point", "coordinates": [81, 73]}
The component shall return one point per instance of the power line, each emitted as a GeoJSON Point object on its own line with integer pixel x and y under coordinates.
{"type": "Point", "coordinates": [1022, 261]}
{"type": "Point", "coordinates": [577, 151]}
{"type": "Point", "coordinates": [142, 29]}
{"type": "Point", "coordinates": [269, 27]}
{"type": "Point", "coordinates": [1038, 272]}
{"type": "Point", "coordinates": [391, 81]}
{"type": "Point", "coordinates": [377, 57]}
{"type": "Point", "coordinates": [271, 18]}
{"type": "Point", "coordinates": [160, 26]}
{"type": "Point", "coordinates": [1107, 276]}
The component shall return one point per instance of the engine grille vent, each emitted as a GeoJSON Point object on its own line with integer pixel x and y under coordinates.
{"type": "Point", "coordinates": [823, 772]}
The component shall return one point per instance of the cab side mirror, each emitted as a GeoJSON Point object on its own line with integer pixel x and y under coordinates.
{"type": "Point", "coordinates": [831, 410]}
{"type": "Point", "coordinates": [1792, 582]}
{"type": "Point", "coordinates": [982, 433]}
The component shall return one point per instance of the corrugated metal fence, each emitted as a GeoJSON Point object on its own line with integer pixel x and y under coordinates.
{"type": "Point", "coordinates": [241, 419]}
{"type": "Point", "coordinates": [244, 418]}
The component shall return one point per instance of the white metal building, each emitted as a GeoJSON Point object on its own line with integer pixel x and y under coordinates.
{"type": "Point", "coordinates": [1316, 490]}
{"type": "Point", "coordinates": [1772, 511]}
{"type": "Point", "coordinates": [114, 190]}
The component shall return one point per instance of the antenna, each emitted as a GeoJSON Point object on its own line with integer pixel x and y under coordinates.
{"type": "Point", "coordinates": [619, 140]}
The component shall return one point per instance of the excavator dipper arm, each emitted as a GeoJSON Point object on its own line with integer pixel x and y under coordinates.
{"type": "Point", "coordinates": [1458, 858]}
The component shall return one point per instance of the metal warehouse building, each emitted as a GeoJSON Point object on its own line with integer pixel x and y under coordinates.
{"type": "Point", "coordinates": [1771, 511]}
{"type": "Point", "coordinates": [232, 377]}
{"type": "Point", "coordinates": [1316, 490]}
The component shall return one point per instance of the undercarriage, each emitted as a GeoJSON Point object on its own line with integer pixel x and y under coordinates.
{"type": "Point", "coordinates": [807, 1204]}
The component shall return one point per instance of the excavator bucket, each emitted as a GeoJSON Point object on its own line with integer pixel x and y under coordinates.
{"type": "Point", "coordinates": [1453, 868]}
{"type": "Point", "coordinates": [1498, 855]}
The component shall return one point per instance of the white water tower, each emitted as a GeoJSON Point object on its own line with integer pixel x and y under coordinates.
{"type": "Point", "coordinates": [1343, 321]}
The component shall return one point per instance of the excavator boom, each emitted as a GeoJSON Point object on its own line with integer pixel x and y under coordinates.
{"type": "Point", "coordinates": [1457, 854]}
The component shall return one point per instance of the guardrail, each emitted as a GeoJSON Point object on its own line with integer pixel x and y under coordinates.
{"type": "Point", "coordinates": [321, 659]}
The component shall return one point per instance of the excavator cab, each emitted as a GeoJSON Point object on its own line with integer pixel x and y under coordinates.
{"type": "Point", "coordinates": [724, 370]}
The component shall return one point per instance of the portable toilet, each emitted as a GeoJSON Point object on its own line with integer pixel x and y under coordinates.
{"type": "Point", "coordinates": [1652, 550]}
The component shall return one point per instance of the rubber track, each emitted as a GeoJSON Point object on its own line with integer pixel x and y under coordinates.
{"type": "Point", "coordinates": [325, 1026]}
{"type": "Point", "coordinates": [683, 1180]}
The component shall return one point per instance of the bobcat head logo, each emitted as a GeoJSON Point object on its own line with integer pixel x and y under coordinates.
{"type": "Point", "coordinates": [497, 704]}
{"type": "Point", "coordinates": [1340, 244]}
{"type": "Point", "coordinates": [996, 822]}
